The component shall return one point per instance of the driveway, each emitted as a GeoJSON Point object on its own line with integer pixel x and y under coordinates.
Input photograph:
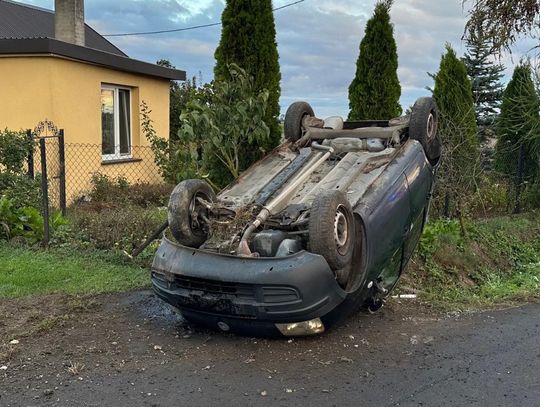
{"type": "Point", "coordinates": [130, 350]}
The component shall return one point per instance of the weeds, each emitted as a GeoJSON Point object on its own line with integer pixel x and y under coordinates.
{"type": "Point", "coordinates": [498, 261]}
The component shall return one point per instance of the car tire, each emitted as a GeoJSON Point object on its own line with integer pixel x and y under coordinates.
{"type": "Point", "coordinates": [423, 126]}
{"type": "Point", "coordinates": [332, 232]}
{"type": "Point", "coordinates": [293, 120]}
{"type": "Point", "coordinates": [184, 212]}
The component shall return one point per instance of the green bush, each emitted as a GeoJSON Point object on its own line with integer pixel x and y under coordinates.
{"type": "Point", "coordinates": [176, 158]}
{"type": "Point", "coordinates": [226, 124]}
{"type": "Point", "coordinates": [25, 222]}
{"type": "Point", "coordinates": [437, 231]}
{"type": "Point", "coordinates": [531, 195]}
{"type": "Point", "coordinates": [15, 147]}
{"type": "Point", "coordinates": [122, 228]}
{"type": "Point", "coordinates": [119, 192]}
{"type": "Point", "coordinates": [222, 130]}
{"type": "Point", "coordinates": [20, 189]}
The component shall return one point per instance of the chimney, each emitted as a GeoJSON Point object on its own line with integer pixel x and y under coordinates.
{"type": "Point", "coordinates": [69, 21]}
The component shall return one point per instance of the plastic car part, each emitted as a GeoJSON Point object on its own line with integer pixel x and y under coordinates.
{"type": "Point", "coordinates": [423, 126]}
{"type": "Point", "coordinates": [187, 211]}
{"type": "Point", "coordinates": [288, 247]}
{"type": "Point", "coordinates": [293, 120]}
{"type": "Point", "coordinates": [332, 231]}
{"type": "Point", "coordinates": [267, 242]}
{"type": "Point", "coordinates": [334, 122]}
{"type": "Point", "coordinates": [311, 327]}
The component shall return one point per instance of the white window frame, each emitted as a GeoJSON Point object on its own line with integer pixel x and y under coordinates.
{"type": "Point", "coordinates": [116, 101]}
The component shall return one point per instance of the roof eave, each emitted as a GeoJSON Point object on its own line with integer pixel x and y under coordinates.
{"type": "Point", "coordinates": [51, 46]}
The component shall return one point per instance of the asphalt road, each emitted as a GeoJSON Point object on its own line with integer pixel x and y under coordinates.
{"type": "Point", "coordinates": [131, 352]}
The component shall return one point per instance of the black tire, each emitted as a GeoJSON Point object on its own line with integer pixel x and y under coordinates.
{"type": "Point", "coordinates": [423, 126]}
{"type": "Point", "coordinates": [293, 120]}
{"type": "Point", "coordinates": [332, 232]}
{"type": "Point", "coordinates": [184, 212]}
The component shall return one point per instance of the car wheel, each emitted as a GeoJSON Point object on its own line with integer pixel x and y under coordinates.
{"type": "Point", "coordinates": [332, 232]}
{"type": "Point", "coordinates": [423, 126]}
{"type": "Point", "coordinates": [187, 212]}
{"type": "Point", "coordinates": [293, 120]}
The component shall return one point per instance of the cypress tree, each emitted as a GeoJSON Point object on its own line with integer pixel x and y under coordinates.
{"type": "Point", "coordinates": [457, 122]}
{"type": "Point", "coordinates": [375, 90]}
{"type": "Point", "coordinates": [248, 39]}
{"type": "Point", "coordinates": [518, 120]}
{"type": "Point", "coordinates": [485, 76]}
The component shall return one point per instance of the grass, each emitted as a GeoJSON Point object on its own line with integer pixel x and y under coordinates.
{"type": "Point", "coordinates": [26, 271]}
{"type": "Point", "coordinates": [497, 261]}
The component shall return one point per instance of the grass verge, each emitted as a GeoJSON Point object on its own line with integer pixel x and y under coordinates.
{"type": "Point", "coordinates": [496, 261]}
{"type": "Point", "coordinates": [26, 271]}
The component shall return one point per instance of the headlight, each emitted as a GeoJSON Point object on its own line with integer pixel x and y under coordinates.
{"type": "Point", "coordinates": [311, 327]}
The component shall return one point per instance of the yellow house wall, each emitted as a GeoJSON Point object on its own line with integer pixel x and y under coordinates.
{"type": "Point", "coordinates": [67, 92]}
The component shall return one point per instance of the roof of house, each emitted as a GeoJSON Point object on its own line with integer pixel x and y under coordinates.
{"type": "Point", "coordinates": [26, 29]}
{"type": "Point", "coordinates": [24, 21]}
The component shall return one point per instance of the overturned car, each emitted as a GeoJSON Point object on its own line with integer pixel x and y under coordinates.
{"type": "Point", "coordinates": [322, 226]}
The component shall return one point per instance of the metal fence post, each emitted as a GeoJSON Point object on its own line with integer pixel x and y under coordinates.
{"type": "Point", "coordinates": [520, 177]}
{"type": "Point", "coordinates": [44, 192]}
{"type": "Point", "coordinates": [30, 157]}
{"type": "Point", "coordinates": [62, 170]}
{"type": "Point", "coordinates": [446, 210]}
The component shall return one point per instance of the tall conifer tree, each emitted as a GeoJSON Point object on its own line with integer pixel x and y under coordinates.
{"type": "Point", "coordinates": [248, 39]}
{"type": "Point", "coordinates": [457, 123]}
{"type": "Point", "coordinates": [518, 120]}
{"type": "Point", "coordinates": [375, 91]}
{"type": "Point", "coordinates": [485, 76]}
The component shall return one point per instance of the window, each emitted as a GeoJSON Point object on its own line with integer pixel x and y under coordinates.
{"type": "Point", "coordinates": [115, 123]}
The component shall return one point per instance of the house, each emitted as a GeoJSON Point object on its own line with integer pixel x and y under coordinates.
{"type": "Point", "coordinates": [54, 66]}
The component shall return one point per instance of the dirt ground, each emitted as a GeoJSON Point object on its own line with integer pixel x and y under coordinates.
{"type": "Point", "coordinates": [130, 349]}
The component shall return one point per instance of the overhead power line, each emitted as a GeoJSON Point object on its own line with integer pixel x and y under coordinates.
{"type": "Point", "coordinates": [194, 27]}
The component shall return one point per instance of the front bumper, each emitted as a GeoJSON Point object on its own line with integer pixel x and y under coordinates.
{"type": "Point", "coordinates": [245, 295]}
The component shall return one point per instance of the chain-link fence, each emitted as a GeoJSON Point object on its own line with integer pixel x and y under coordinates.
{"type": "Point", "coordinates": [85, 163]}
{"type": "Point", "coordinates": [72, 173]}
{"type": "Point", "coordinates": [496, 181]}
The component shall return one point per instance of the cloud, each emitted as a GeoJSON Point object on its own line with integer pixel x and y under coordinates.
{"type": "Point", "coordinates": [318, 41]}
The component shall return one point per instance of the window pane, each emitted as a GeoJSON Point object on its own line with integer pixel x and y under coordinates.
{"type": "Point", "coordinates": [107, 121]}
{"type": "Point", "coordinates": [125, 121]}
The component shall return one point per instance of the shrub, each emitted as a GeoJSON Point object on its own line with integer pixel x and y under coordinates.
{"type": "Point", "coordinates": [20, 189]}
{"type": "Point", "coordinates": [119, 192]}
{"type": "Point", "coordinates": [15, 147]}
{"type": "Point", "coordinates": [435, 231]}
{"type": "Point", "coordinates": [26, 222]}
{"type": "Point", "coordinates": [226, 124]}
{"type": "Point", "coordinates": [176, 158]}
{"type": "Point", "coordinates": [114, 228]}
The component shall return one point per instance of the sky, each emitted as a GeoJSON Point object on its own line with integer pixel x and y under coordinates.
{"type": "Point", "coordinates": [318, 41]}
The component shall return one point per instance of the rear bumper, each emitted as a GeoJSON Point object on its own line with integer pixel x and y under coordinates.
{"type": "Point", "coordinates": [249, 295]}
